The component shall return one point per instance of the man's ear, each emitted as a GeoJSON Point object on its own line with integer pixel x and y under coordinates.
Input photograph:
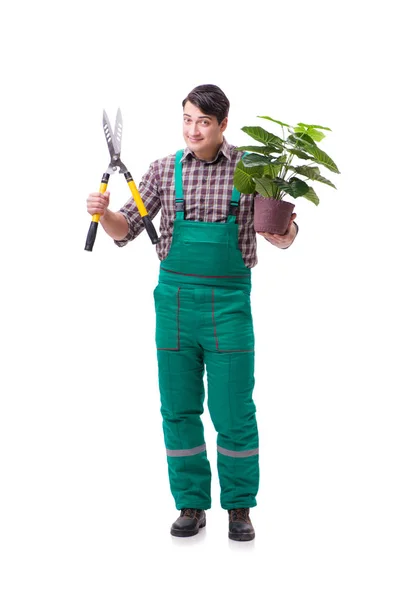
{"type": "Point", "coordinates": [224, 124]}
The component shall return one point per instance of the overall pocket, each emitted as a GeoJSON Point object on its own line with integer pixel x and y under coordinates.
{"type": "Point", "coordinates": [232, 320]}
{"type": "Point", "coordinates": [167, 306]}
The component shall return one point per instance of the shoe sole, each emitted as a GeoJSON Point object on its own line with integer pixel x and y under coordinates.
{"type": "Point", "coordinates": [180, 533]}
{"type": "Point", "coordinates": [242, 537]}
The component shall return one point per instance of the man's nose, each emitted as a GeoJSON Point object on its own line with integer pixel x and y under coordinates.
{"type": "Point", "coordinates": [193, 129]}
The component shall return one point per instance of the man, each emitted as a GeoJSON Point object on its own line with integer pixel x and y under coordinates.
{"type": "Point", "coordinates": [203, 312]}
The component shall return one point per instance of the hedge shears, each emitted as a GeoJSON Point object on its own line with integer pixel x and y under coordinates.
{"type": "Point", "coordinates": [114, 147]}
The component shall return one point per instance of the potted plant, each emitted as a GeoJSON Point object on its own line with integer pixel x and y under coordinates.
{"type": "Point", "coordinates": [281, 166]}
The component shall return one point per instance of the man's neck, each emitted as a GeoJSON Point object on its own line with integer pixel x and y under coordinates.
{"type": "Point", "coordinates": [210, 155]}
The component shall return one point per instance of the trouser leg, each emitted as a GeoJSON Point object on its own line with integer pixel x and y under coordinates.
{"type": "Point", "coordinates": [232, 410]}
{"type": "Point", "coordinates": [229, 359]}
{"type": "Point", "coordinates": [182, 404]}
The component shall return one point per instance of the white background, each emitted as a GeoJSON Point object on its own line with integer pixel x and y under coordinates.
{"type": "Point", "coordinates": [85, 507]}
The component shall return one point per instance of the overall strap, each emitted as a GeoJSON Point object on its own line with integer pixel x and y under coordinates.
{"type": "Point", "coordinates": [179, 207]}
{"type": "Point", "coordinates": [234, 203]}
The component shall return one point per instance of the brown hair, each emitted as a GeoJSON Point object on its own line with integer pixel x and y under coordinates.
{"type": "Point", "coordinates": [210, 99]}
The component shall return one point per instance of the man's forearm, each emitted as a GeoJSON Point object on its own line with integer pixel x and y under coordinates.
{"type": "Point", "coordinates": [115, 224]}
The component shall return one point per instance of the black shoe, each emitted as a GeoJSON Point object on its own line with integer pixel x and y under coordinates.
{"type": "Point", "coordinates": [240, 527]}
{"type": "Point", "coordinates": [189, 522]}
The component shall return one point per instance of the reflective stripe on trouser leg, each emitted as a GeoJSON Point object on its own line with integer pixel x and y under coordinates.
{"type": "Point", "coordinates": [182, 398]}
{"type": "Point", "coordinates": [230, 388]}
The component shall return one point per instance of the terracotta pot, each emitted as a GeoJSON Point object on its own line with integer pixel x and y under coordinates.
{"type": "Point", "coordinates": [271, 215]}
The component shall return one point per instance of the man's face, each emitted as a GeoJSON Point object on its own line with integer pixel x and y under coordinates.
{"type": "Point", "coordinates": [202, 133]}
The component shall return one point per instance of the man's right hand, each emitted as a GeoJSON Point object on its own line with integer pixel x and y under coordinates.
{"type": "Point", "coordinates": [97, 203]}
{"type": "Point", "coordinates": [114, 223]}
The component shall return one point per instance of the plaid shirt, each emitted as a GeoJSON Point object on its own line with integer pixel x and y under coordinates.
{"type": "Point", "coordinates": [207, 188]}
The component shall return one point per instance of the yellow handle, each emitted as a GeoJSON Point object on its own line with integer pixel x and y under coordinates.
{"type": "Point", "coordinates": [103, 187]}
{"type": "Point", "coordinates": [137, 198]}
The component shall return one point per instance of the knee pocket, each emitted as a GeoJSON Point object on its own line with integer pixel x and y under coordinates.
{"type": "Point", "coordinates": [232, 321]}
{"type": "Point", "coordinates": [167, 306]}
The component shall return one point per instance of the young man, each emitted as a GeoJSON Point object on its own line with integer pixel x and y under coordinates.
{"type": "Point", "coordinates": [203, 312]}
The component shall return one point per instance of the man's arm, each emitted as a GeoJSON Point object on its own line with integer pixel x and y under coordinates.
{"type": "Point", "coordinates": [115, 224]}
{"type": "Point", "coordinates": [126, 224]}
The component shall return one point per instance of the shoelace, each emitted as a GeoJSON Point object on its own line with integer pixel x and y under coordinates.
{"type": "Point", "coordinates": [240, 514]}
{"type": "Point", "coordinates": [188, 512]}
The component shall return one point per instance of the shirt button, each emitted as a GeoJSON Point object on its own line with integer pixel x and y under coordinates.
{"type": "Point", "coordinates": [204, 180]}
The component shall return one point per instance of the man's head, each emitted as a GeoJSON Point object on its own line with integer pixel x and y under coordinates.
{"type": "Point", "coordinates": [205, 118]}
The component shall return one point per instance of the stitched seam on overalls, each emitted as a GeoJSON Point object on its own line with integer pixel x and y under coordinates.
{"type": "Point", "coordinates": [227, 351]}
{"type": "Point", "coordinates": [213, 318]}
{"type": "Point", "coordinates": [178, 347]}
{"type": "Point", "coordinates": [205, 276]}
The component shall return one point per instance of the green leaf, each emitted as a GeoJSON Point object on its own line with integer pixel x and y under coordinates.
{"type": "Point", "coordinates": [312, 196]}
{"type": "Point", "coordinates": [313, 133]}
{"type": "Point", "coordinates": [301, 139]}
{"type": "Point", "coordinates": [275, 121]}
{"type": "Point", "coordinates": [261, 135]}
{"type": "Point", "coordinates": [322, 158]}
{"type": "Point", "coordinates": [273, 169]}
{"type": "Point", "coordinates": [269, 149]}
{"type": "Point", "coordinates": [256, 160]}
{"type": "Point", "coordinates": [299, 153]}
{"type": "Point", "coordinates": [266, 187]}
{"type": "Point", "coordinates": [312, 173]}
{"type": "Point", "coordinates": [305, 170]}
{"type": "Point", "coordinates": [294, 187]}
{"type": "Point", "coordinates": [314, 126]}
{"type": "Point", "coordinates": [243, 178]}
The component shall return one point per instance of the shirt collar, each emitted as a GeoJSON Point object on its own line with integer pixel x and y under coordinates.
{"type": "Point", "coordinates": [224, 150]}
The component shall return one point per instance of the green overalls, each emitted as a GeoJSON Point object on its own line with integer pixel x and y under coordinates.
{"type": "Point", "coordinates": [203, 318]}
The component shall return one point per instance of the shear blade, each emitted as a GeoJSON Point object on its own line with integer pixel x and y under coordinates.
{"type": "Point", "coordinates": [108, 132]}
{"type": "Point", "coordinates": [118, 132]}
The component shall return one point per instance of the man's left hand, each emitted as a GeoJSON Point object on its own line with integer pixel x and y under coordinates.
{"type": "Point", "coordinates": [283, 240]}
